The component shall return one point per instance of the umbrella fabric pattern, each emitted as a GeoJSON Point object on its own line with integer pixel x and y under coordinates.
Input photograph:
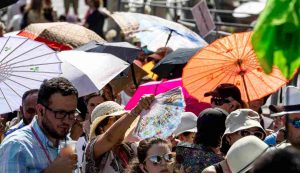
{"type": "Point", "coordinates": [60, 35]}
{"type": "Point", "coordinates": [123, 50]}
{"type": "Point", "coordinates": [276, 38]}
{"type": "Point", "coordinates": [171, 66]}
{"type": "Point", "coordinates": [157, 87]}
{"type": "Point", "coordinates": [230, 60]}
{"type": "Point", "coordinates": [156, 32]}
{"type": "Point", "coordinates": [90, 72]}
{"type": "Point", "coordinates": [24, 64]}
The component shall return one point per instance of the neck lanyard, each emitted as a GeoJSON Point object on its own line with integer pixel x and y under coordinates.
{"type": "Point", "coordinates": [40, 142]}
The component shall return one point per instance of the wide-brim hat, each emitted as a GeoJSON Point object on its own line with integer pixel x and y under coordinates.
{"type": "Point", "coordinates": [291, 102]}
{"type": "Point", "coordinates": [102, 111]}
{"type": "Point", "coordinates": [243, 153]}
{"type": "Point", "coordinates": [188, 123]}
{"type": "Point", "coordinates": [242, 119]}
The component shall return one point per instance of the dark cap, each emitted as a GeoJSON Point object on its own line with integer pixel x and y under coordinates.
{"type": "Point", "coordinates": [211, 119]}
{"type": "Point", "coordinates": [226, 90]}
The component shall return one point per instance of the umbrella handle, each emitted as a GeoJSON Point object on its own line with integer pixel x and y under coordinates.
{"type": "Point", "coordinates": [169, 36]}
{"type": "Point", "coordinates": [246, 89]}
{"type": "Point", "coordinates": [133, 75]}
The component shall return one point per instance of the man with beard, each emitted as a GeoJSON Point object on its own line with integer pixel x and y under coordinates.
{"type": "Point", "coordinates": [29, 101]}
{"type": "Point", "coordinates": [291, 113]}
{"type": "Point", "coordinates": [34, 148]}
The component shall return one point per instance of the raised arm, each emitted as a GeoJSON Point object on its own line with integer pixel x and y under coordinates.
{"type": "Point", "coordinates": [116, 132]}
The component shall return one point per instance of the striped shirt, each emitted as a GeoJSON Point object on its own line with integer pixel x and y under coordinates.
{"type": "Point", "coordinates": [21, 152]}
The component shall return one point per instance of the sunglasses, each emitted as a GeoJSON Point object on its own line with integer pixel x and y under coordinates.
{"type": "Point", "coordinates": [156, 159]}
{"type": "Point", "coordinates": [295, 123]}
{"type": "Point", "coordinates": [258, 134]}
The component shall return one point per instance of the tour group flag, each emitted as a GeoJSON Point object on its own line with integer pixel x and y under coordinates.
{"type": "Point", "coordinates": [276, 38]}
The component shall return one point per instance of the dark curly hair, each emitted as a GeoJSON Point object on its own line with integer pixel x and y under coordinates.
{"type": "Point", "coordinates": [55, 85]}
{"type": "Point", "coordinates": [142, 152]}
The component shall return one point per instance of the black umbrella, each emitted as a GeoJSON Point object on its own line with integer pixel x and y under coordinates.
{"type": "Point", "coordinates": [122, 50]}
{"type": "Point", "coordinates": [6, 3]}
{"type": "Point", "coordinates": [171, 66]}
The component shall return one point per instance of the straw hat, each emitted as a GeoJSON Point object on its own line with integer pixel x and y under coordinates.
{"type": "Point", "coordinates": [103, 110]}
{"type": "Point", "coordinates": [188, 123]}
{"type": "Point", "coordinates": [244, 152]}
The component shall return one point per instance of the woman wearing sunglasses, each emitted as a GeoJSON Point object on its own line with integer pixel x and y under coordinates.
{"type": "Point", "coordinates": [239, 123]}
{"type": "Point", "coordinates": [153, 155]}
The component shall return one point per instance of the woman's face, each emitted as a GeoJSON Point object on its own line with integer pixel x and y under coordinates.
{"type": "Point", "coordinates": [92, 103]}
{"type": "Point", "coordinates": [163, 166]}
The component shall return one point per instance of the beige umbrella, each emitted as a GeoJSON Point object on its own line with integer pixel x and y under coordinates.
{"type": "Point", "coordinates": [60, 35]}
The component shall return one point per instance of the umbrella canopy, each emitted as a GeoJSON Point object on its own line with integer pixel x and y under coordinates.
{"type": "Point", "coordinates": [24, 64]}
{"type": "Point", "coordinates": [60, 35]}
{"type": "Point", "coordinates": [123, 50]}
{"type": "Point", "coordinates": [156, 32]}
{"type": "Point", "coordinates": [156, 87]}
{"type": "Point", "coordinates": [230, 60]}
{"type": "Point", "coordinates": [171, 66]}
{"type": "Point", "coordinates": [90, 72]}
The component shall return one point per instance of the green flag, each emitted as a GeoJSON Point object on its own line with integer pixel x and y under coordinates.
{"type": "Point", "coordinates": [276, 37]}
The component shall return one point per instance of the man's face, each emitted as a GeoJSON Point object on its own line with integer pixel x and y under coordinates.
{"type": "Point", "coordinates": [54, 127]}
{"type": "Point", "coordinates": [293, 132]}
{"type": "Point", "coordinates": [230, 105]}
{"type": "Point", "coordinates": [28, 108]}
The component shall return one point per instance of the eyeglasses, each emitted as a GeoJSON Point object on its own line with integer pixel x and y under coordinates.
{"type": "Point", "coordinates": [156, 159]}
{"type": "Point", "coordinates": [62, 114]}
{"type": "Point", "coordinates": [295, 123]}
{"type": "Point", "coordinates": [258, 134]}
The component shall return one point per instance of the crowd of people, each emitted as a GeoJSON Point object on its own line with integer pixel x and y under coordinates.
{"type": "Point", "coordinates": [229, 137]}
{"type": "Point", "coordinates": [232, 136]}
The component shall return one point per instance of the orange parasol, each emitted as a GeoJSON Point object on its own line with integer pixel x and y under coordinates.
{"type": "Point", "coordinates": [230, 60]}
{"type": "Point", "coordinates": [60, 35]}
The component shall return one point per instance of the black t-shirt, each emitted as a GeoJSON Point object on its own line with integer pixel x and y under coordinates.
{"type": "Point", "coordinates": [95, 22]}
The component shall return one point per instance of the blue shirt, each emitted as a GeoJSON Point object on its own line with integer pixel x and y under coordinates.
{"type": "Point", "coordinates": [271, 139]}
{"type": "Point", "coordinates": [21, 152]}
{"type": "Point", "coordinates": [19, 125]}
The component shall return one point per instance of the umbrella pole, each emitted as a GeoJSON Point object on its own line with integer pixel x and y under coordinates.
{"type": "Point", "coordinates": [246, 89]}
{"type": "Point", "coordinates": [169, 36]}
{"type": "Point", "coordinates": [133, 75]}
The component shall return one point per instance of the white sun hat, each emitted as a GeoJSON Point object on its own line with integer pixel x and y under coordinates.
{"type": "Point", "coordinates": [291, 102]}
{"type": "Point", "coordinates": [243, 153]}
{"type": "Point", "coordinates": [188, 123]}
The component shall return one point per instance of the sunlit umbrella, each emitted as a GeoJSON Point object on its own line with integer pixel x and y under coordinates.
{"type": "Point", "coordinates": [24, 64]}
{"type": "Point", "coordinates": [60, 35]}
{"type": "Point", "coordinates": [230, 60]}
{"type": "Point", "coordinates": [157, 32]}
{"type": "Point", "coordinates": [156, 87]}
{"type": "Point", "coordinates": [89, 72]}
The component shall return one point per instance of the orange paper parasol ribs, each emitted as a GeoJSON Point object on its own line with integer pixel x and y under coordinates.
{"type": "Point", "coordinates": [230, 60]}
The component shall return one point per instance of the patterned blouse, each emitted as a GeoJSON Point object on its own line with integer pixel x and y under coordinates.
{"type": "Point", "coordinates": [195, 157]}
